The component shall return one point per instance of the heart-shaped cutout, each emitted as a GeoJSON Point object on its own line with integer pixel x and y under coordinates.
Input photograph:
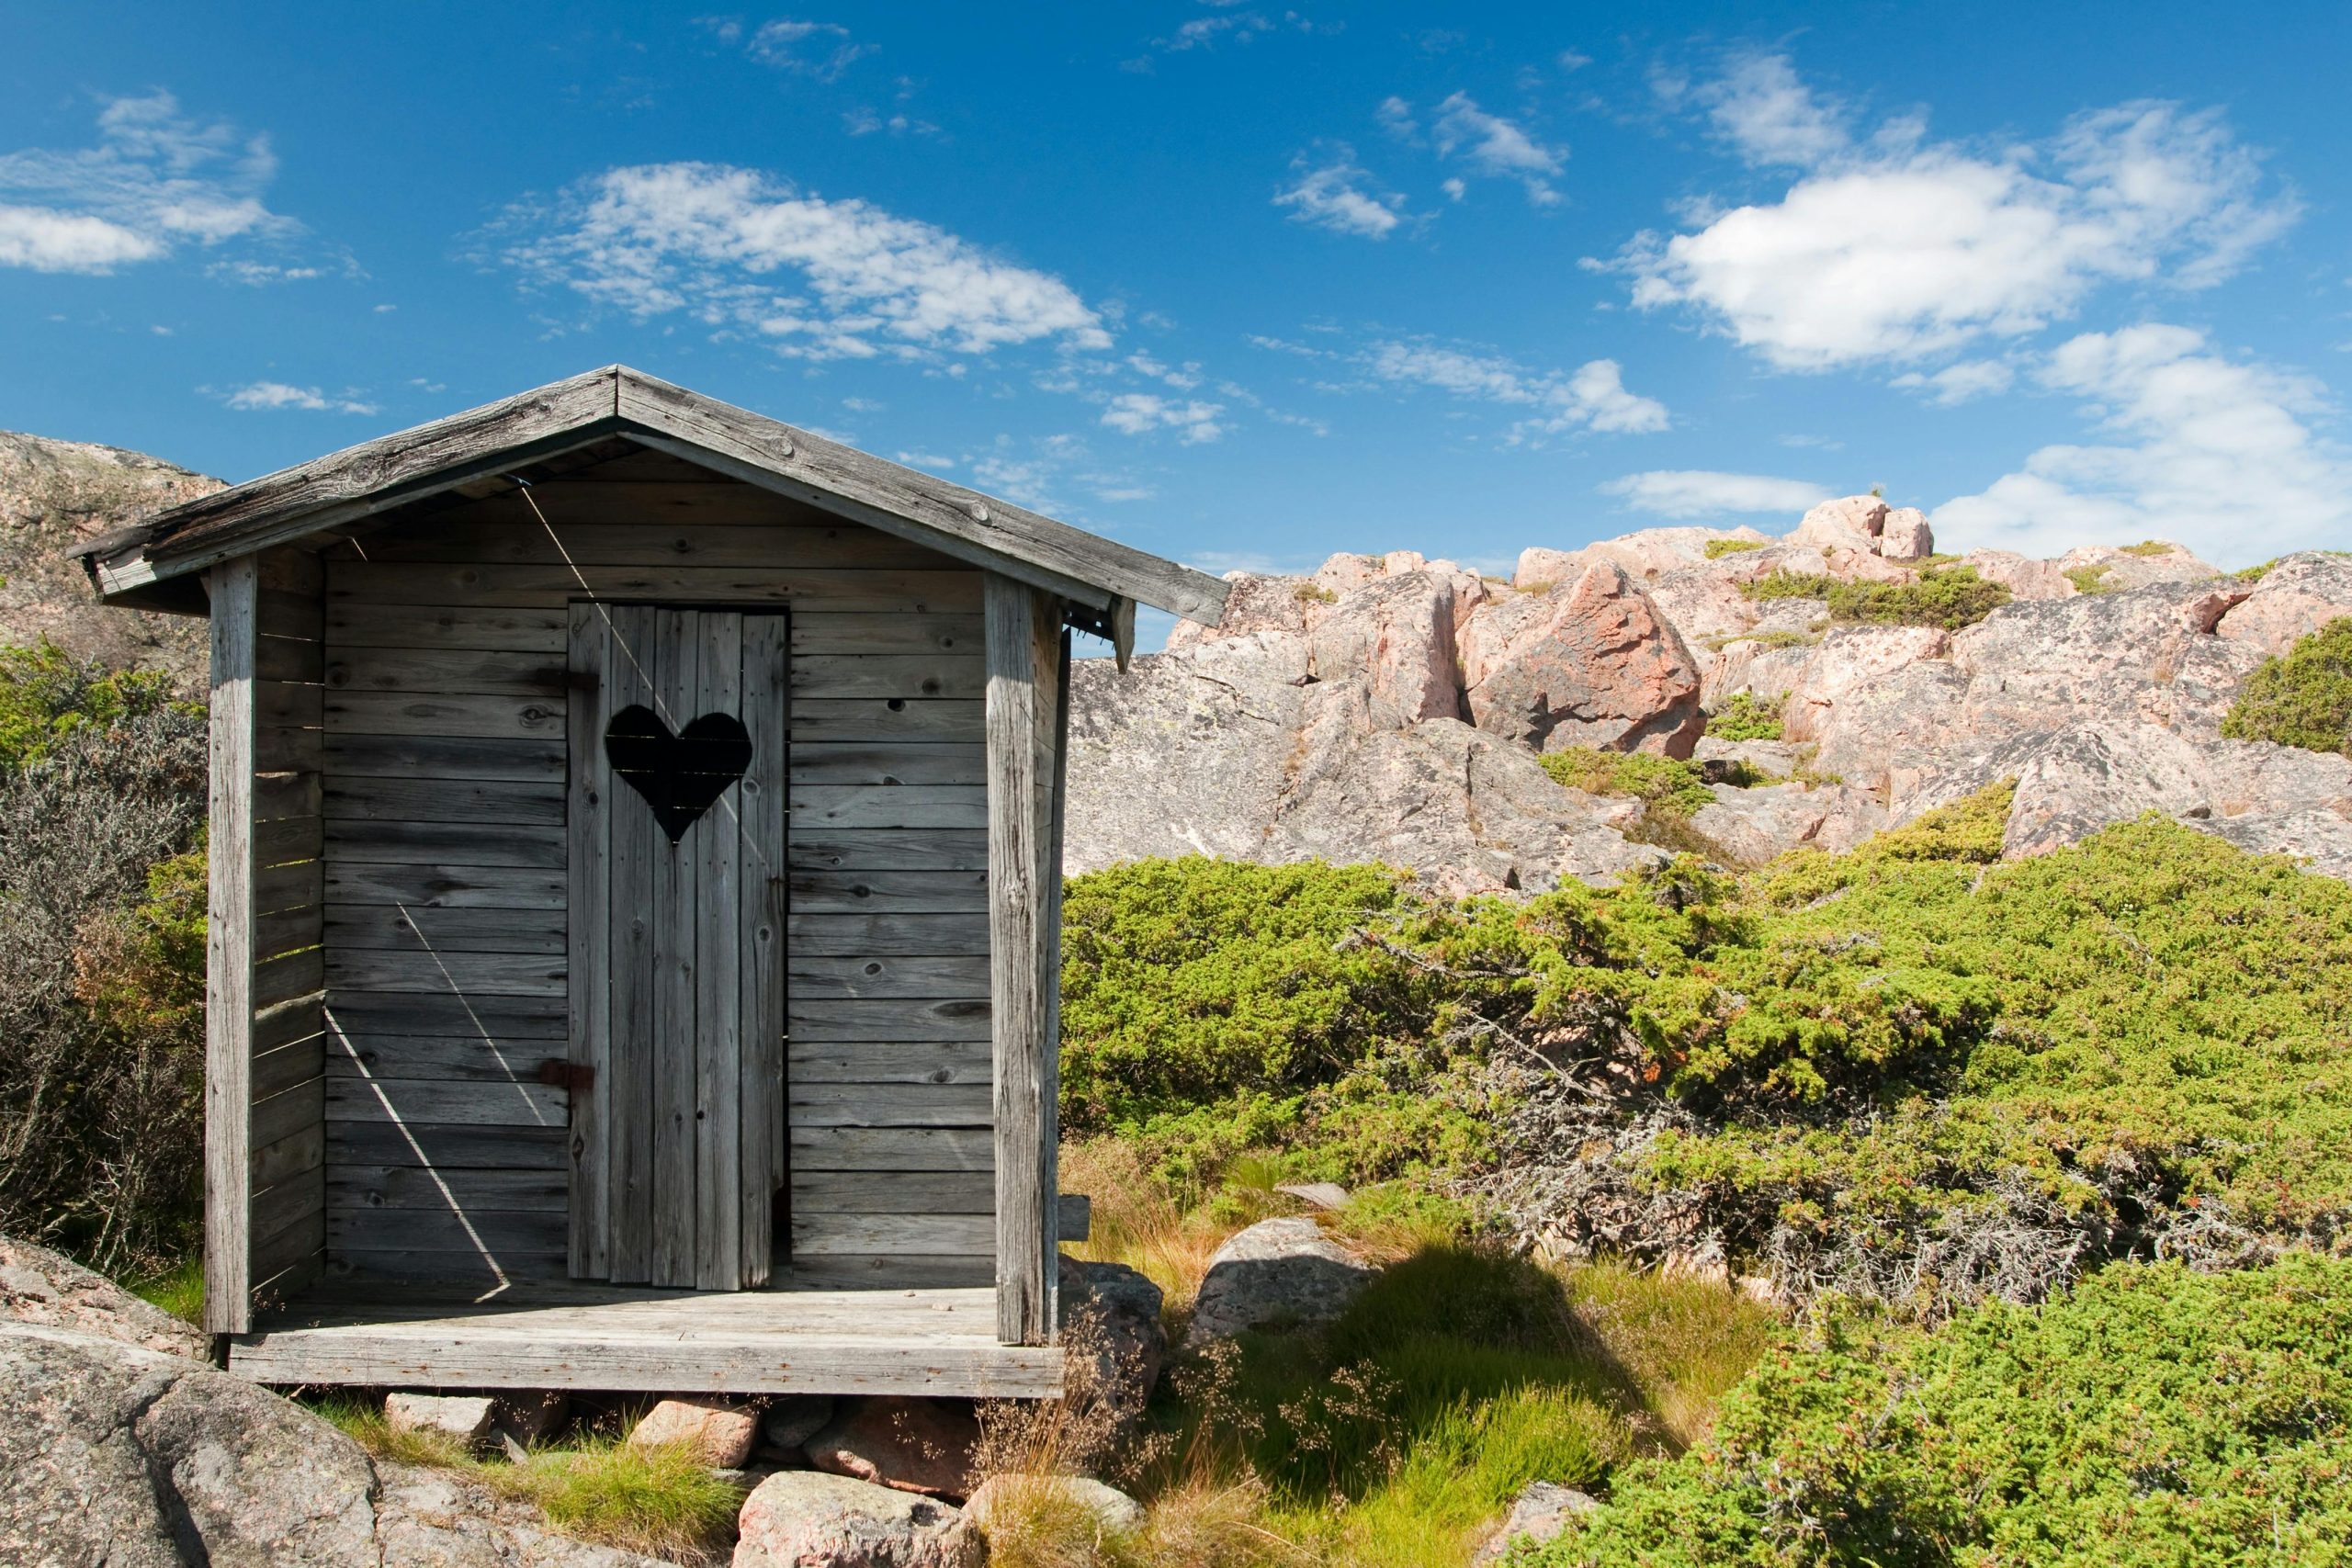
{"type": "Point", "coordinates": [680, 775]}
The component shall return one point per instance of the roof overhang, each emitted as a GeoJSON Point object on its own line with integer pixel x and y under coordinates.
{"type": "Point", "coordinates": [152, 566]}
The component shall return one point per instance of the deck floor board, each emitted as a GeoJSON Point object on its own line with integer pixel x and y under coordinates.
{"type": "Point", "coordinates": [939, 1342]}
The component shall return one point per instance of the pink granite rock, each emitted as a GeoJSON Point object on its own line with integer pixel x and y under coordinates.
{"type": "Point", "coordinates": [1592, 662]}
{"type": "Point", "coordinates": [720, 1433]}
{"type": "Point", "coordinates": [907, 1444]}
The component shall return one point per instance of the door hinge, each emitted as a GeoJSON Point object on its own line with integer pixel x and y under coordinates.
{"type": "Point", "coordinates": [572, 1077]}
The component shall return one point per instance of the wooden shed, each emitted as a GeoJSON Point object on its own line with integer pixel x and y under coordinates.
{"type": "Point", "coordinates": [635, 878]}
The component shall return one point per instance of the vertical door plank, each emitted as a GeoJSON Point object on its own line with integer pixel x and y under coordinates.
{"type": "Point", "coordinates": [714, 844]}
{"type": "Point", "coordinates": [627, 659]}
{"type": "Point", "coordinates": [228, 1016]}
{"type": "Point", "coordinates": [761, 922]}
{"type": "Point", "coordinates": [676, 673]}
{"type": "Point", "coordinates": [589, 943]}
{"type": "Point", "coordinates": [1019, 626]}
{"type": "Point", "coordinates": [1049, 977]}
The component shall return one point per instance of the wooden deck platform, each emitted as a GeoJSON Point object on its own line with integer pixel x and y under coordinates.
{"type": "Point", "coordinates": [937, 1342]}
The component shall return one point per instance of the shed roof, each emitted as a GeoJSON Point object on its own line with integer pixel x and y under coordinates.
{"type": "Point", "coordinates": [344, 487]}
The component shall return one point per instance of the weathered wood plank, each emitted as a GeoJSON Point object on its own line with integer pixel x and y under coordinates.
{"type": "Point", "coordinates": [415, 927]}
{"type": "Point", "coordinates": [894, 934]}
{"type": "Point", "coordinates": [453, 1057]}
{"type": "Point", "coordinates": [716, 924]}
{"type": "Point", "coordinates": [766, 715]}
{"type": "Point", "coordinates": [1018, 621]}
{"type": "Point", "coordinates": [892, 1148]}
{"type": "Point", "coordinates": [437, 1100]}
{"type": "Point", "coordinates": [289, 840]}
{"type": "Point", "coordinates": [889, 892]}
{"type": "Point", "coordinates": [473, 1272]}
{"type": "Point", "coordinates": [359, 1188]}
{"type": "Point", "coordinates": [408, 1012]}
{"type": "Point", "coordinates": [903, 762]}
{"type": "Point", "coordinates": [818, 977]}
{"type": "Point", "coordinates": [294, 886]}
{"type": "Point", "coordinates": [675, 672]}
{"type": "Point", "coordinates": [446, 1146]}
{"type": "Point", "coordinates": [538, 804]}
{"type": "Point", "coordinates": [817, 1235]}
{"type": "Point", "coordinates": [513, 535]}
{"type": "Point", "coordinates": [229, 957]}
{"type": "Point", "coordinates": [635, 841]}
{"type": "Point", "coordinates": [896, 1272]}
{"type": "Point", "coordinates": [518, 759]}
{"type": "Point", "coordinates": [298, 661]}
{"type": "Point", "coordinates": [956, 1018]}
{"type": "Point", "coordinates": [836, 632]}
{"type": "Point", "coordinates": [527, 629]}
{"type": "Point", "coordinates": [488, 716]}
{"type": "Point", "coordinates": [278, 797]}
{"type": "Point", "coordinates": [867, 720]}
{"type": "Point", "coordinates": [897, 1104]}
{"type": "Point", "coordinates": [901, 1192]}
{"type": "Point", "coordinates": [285, 978]}
{"type": "Point", "coordinates": [917, 677]}
{"type": "Point", "coordinates": [461, 1230]}
{"type": "Point", "coordinates": [890, 1062]}
{"type": "Point", "coordinates": [289, 1156]}
{"type": "Point", "coordinates": [872, 849]}
{"type": "Point", "coordinates": [439, 972]}
{"type": "Point", "coordinates": [433, 886]}
{"type": "Point", "coordinates": [817, 807]}
{"type": "Point", "coordinates": [588, 944]}
{"type": "Point", "coordinates": [352, 841]}
{"type": "Point", "coordinates": [287, 1113]}
{"type": "Point", "coordinates": [888, 591]}
{"type": "Point", "coordinates": [439, 671]}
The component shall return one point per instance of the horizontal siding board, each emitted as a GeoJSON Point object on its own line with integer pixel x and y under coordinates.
{"type": "Point", "coordinates": [815, 1022]}
{"type": "Point", "coordinates": [898, 1104]}
{"type": "Point", "coordinates": [366, 1187]}
{"type": "Point", "coordinates": [437, 886]}
{"type": "Point", "coordinates": [555, 584]}
{"type": "Point", "coordinates": [887, 720]}
{"type": "Point", "coordinates": [488, 717]}
{"type": "Point", "coordinates": [454, 1058]}
{"type": "Point", "coordinates": [529, 629]}
{"type": "Point", "coordinates": [536, 803]}
{"type": "Point", "coordinates": [745, 543]}
{"type": "Point", "coordinates": [455, 843]}
{"type": "Point", "coordinates": [896, 933]}
{"type": "Point", "coordinates": [904, 763]}
{"type": "Point", "coordinates": [402, 1101]}
{"type": "Point", "coordinates": [889, 892]}
{"type": "Point", "coordinates": [819, 807]}
{"type": "Point", "coordinates": [893, 1148]}
{"type": "Point", "coordinates": [465, 973]}
{"type": "Point", "coordinates": [890, 1062]}
{"type": "Point", "coordinates": [447, 1145]}
{"type": "Point", "coordinates": [401, 1012]}
{"type": "Point", "coordinates": [885, 849]}
{"type": "Point", "coordinates": [443, 671]}
{"type": "Point", "coordinates": [903, 1192]}
{"type": "Point", "coordinates": [500, 1231]}
{"type": "Point", "coordinates": [918, 676]}
{"type": "Point", "coordinates": [817, 977]}
{"type": "Point", "coordinates": [816, 1235]}
{"type": "Point", "coordinates": [413, 927]}
{"type": "Point", "coordinates": [521, 759]}
{"type": "Point", "coordinates": [466, 1271]}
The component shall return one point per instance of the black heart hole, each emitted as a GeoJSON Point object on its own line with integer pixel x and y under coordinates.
{"type": "Point", "coordinates": [680, 775]}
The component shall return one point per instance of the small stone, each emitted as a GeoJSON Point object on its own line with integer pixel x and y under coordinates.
{"type": "Point", "coordinates": [1539, 1514]}
{"type": "Point", "coordinates": [1112, 1510]}
{"type": "Point", "coordinates": [1277, 1274]}
{"type": "Point", "coordinates": [720, 1434]}
{"type": "Point", "coordinates": [792, 1420]}
{"type": "Point", "coordinates": [467, 1417]}
{"type": "Point", "coordinates": [1316, 1194]}
{"type": "Point", "coordinates": [802, 1519]}
{"type": "Point", "coordinates": [909, 1444]}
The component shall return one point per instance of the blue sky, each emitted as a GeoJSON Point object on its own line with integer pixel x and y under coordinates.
{"type": "Point", "coordinates": [1240, 283]}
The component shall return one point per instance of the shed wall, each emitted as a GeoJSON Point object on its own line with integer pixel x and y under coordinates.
{"type": "Point", "coordinates": [442, 804]}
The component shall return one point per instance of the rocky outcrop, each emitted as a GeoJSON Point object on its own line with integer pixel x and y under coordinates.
{"type": "Point", "coordinates": [908, 1445]}
{"type": "Point", "coordinates": [1542, 1511]}
{"type": "Point", "coordinates": [1589, 663]}
{"type": "Point", "coordinates": [1279, 1273]}
{"type": "Point", "coordinates": [54, 494]}
{"type": "Point", "coordinates": [45, 1288]}
{"type": "Point", "coordinates": [1106, 1509]}
{"type": "Point", "coordinates": [114, 1453]}
{"type": "Point", "coordinates": [718, 1432]}
{"type": "Point", "coordinates": [802, 1519]}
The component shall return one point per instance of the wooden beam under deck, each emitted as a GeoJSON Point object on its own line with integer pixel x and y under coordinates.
{"type": "Point", "coordinates": [941, 1343]}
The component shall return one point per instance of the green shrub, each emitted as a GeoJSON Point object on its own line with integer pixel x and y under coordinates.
{"type": "Point", "coordinates": [1947, 596]}
{"type": "Point", "coordinates": [2090, 579]}
{"type": "Point", "coordinates": [2153, 1417]}
{"type": "Point", "coordinates": [1718, 549]}
{"type": "Point", "coordinates": [2302, 699]}
{"type": "Point", "coordinates": [1662, 783]}
{"type": "Point", "coordinates": [46, 693]}
{"type": "Point", "coordinates": [2150, 548]}
{"type": "Point", "coordinates": [1743, 717]}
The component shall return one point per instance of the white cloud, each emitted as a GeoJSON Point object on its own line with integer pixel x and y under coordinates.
{"type": "Point", "coordinates": [1454, 189]}
{"type": "Point", "coordinates": [1136, 413]}
{"type": "Point", "coordinates": [1901, 249]}
{"type": "Point", "coordinates": [1593, 396]}
{"type": "Point", "coordinates": [1770, 114]}
{"type": "Point", "coordinates": [1395, 117]}
{"type": "Point", "coordinates": [1700, 492]}
{"type": "Point", "coordinates": [156, 180]}
{"type": "Point", "coordinates": [270, 396]}
{"type": "Point", "coordinates": [1201, 33]}
{"type": "Point", "coordinates": [709, 239]}
{"type": "Point", "coordinates": [1493, 145]}
{"type": "Point", "coordinates": [818, 50]}
{"type": "Point", "coordinates": [1964, 382]}
{"type": "Point", "coordinates": [2214, 453]}
{"type": "Point", "coordinates": [1332, 194]}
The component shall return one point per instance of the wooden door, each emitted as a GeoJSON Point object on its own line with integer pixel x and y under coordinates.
{"type": "Point", "coordinates": [677, 735]}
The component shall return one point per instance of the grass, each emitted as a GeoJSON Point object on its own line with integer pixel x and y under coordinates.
{"type": "Point", "coordinates": [178, 1290]}
{"type": "Point", "coordinates": [2150, 548]}
{"type": "Point", "coordinates": [1718, 549]}
{"type": "Point", "coordinates": [660, 1500]}
{"type": "Point", "coordinates": [1398, 1437]}
{"type": "Point", "coordinates": [1745, 716]}
{"type": "Point", "coordinates": [2090, 579]}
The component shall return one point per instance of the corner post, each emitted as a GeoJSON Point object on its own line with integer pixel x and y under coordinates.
{"type": "Point", "coordinates": [234, 586]}
{"type": "Point", "coordinates": [1021, 637]}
